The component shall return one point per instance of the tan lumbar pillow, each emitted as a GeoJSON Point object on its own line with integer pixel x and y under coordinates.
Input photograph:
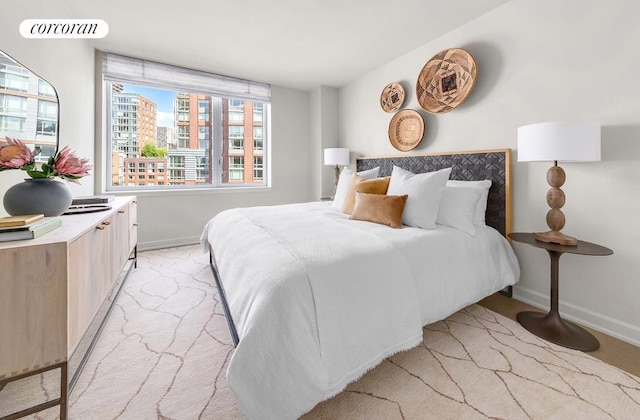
{"type": "Point", "coordinates": [378, 208]}
{"type": "Point", "coordinates": [369, 186]}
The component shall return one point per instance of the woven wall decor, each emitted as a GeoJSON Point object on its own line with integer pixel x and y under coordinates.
{"type": "Point", "coordinates": [392, 97]}
{"type": "Point", "coordinates": [406, 129]}
{"type": "Point", "coordinates": [446, 80]}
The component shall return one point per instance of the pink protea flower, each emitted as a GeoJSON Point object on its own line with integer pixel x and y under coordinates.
{"type": "Point", "coordinates": [14, 154]}
{"type": "Point", "coordinates": [64, 164]}
{"type": "Point", "coordinates": [68, 165]}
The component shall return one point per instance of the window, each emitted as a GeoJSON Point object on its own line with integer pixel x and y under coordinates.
{"type": "Point", "coordinates": [45, 89]}
{"type": "Point", "coordinates": [12, 124]}
{"type": "Point", "coordinates": [258, 171]}
{"type": "Point", "coordinates": [46, 128]}
{"type": "Point", "coordinates": [14, 78]}
{"type": "Point", "coordinates": [236, 139]}
{"type": "Point", "coordinates": [205, 112]}
{"type": "Point", "coordinates": [176, 161]}
{"type": "Point", "coordinates": [236, 168]}
{"type": "Point", "coordinates": [47, 121]}
{"type": "Point", "coordinates": [182, 103]}
{"type": "Point", "coordinates": [236, 111]}
{"type": "Point", "coordinates": [15, 105]}
{"type": "Point", "coordinates": [257, 139]}
{"type": "Point", "coordinates": [204, 137]}
{"type": "Point", "coordinates": [183, 136]}
{"type": "Point", "coordinates": [176, 174]}
{"type": "Point", "coordinates": [202, 167]}
{"type": "Point", "coordinates": [257, 112]}
{"type": "Point", "coordinates": [47, 110]}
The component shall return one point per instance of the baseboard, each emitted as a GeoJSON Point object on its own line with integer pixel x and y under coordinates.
{"type": "Point", "coordinates": [610, 326]}
{"type": "Point", "coordinates": [168, 243]}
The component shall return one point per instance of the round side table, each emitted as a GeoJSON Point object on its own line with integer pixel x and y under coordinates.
{"type": "Point", "coordinates": [551, 326]}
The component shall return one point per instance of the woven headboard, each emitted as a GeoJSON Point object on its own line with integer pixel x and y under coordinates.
{"type": "Point", "coordinates": [467, 166]}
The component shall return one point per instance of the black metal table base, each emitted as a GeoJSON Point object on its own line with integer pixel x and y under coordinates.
{"type": "Point", "coordinates": [553, 328]}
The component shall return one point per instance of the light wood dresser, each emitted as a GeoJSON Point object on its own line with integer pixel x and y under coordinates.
{"type": "Point", "coordinates": [56, 292]}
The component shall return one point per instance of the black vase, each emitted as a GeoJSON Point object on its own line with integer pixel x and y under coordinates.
{"type": "Point", "coordinates": [46, 196]}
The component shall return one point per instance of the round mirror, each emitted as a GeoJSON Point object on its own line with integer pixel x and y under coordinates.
{"type": "Point", "coordinates": [28, 108]}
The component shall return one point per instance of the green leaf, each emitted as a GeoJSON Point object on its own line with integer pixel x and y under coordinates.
{"type": "Point", "coordinates": [36, 174]}
{"type": "Point", "coordinates": [46, 169]}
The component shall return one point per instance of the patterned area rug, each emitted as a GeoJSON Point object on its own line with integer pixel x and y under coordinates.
{"type": "Point", "coordinates": [165, 349]}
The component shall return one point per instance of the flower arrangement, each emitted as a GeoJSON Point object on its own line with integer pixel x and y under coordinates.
{"type": "Point", "coordinates": [63, 164]}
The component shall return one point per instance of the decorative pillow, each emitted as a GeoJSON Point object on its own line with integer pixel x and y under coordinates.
{"type": "Point", "coordinates": [369, 186]}
{"type": "Point", "coordinates": [424, 191]}
{"type": "Point", "coordinates": [483, 186]}
{"type": "Point", "coordinates": [378, 208]}
{"type": "Point", "coordinates": [458, 208]}
{"type": "Point", "coordinates": [345, 181]}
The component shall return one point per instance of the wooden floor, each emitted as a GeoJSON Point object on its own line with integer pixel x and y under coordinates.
{"type": "Point", "coordinates": [613, 351]}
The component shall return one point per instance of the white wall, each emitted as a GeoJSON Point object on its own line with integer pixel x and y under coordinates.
{"type": "Point", "coordinates": [65, 63]}
{"type": "Point", "coordinates": [324, 134]}
{"type": "Point", "coordinates": [542, 60]}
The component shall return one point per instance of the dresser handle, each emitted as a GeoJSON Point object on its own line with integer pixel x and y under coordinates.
{"type": "Point", "coordinates": [135, 224]}
{"type": "Point", "coordinates": [106, 223]}
{"type": "Point", "coordinates": [135, 201]}
{"type": "Point", "coordinates": [120, 211]}
{"type": "Point", "coordinates": [100, 227]}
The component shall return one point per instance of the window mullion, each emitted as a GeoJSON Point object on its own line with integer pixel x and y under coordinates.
{"type": "Point", "coordinates": [216, 140]}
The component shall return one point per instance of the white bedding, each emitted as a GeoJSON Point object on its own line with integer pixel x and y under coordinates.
{"type": "Point", "coordinates": [318, 299]}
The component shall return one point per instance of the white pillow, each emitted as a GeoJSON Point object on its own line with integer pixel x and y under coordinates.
{"type": "Point", "coordinates": [424, 191]}
{"type": "Point", "coordinates": [483, 186]}
{"type": "Point", "coordinates": [458, 208]}
{"type": "Point", "coordinates": [345, 181]}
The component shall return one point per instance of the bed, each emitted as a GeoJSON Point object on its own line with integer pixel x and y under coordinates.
{"type": "Point", "coordinates": [314, 299]}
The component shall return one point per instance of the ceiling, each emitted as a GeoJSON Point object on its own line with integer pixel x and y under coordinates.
{"type": "Point", "coordinates": [300, 44]}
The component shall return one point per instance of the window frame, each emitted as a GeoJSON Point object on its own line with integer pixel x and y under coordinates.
{"type": "Point", "coordinates": [214, 152]}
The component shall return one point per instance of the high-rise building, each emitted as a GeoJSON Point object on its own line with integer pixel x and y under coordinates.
{"type": "Point", "coordinates": [133, 122]}
{"type": "Point", "coordinates": [165, 139]}
{"type": "Point", "coordinates": [189, 162]}
{"type": "Point", "coordinates": [239, 129]}
{"type": "Point", "coordinates": [243, 152]}
{"type": "Point", "coordinates": [133, 126]}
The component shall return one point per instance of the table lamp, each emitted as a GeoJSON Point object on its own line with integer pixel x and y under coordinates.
{"type": "Point", "coordinates": [564, 141]}
{"type": "Point", "coordinates": [336, 156]}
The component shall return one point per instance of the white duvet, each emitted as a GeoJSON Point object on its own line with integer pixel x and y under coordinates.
{"type": "Point", "coordinates": [318, 299]}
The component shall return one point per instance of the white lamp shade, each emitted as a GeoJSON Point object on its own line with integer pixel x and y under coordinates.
{"type": "Point", "coordinates": [336, 156]}
{"type": "Point", "coordinates": [566, 141]}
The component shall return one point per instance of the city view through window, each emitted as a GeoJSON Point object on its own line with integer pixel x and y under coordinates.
{"type": "Point", "coordinates": [163, 138]}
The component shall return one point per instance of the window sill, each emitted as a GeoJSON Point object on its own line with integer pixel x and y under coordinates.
{"type": "Point", "coordinates": [189, 191]}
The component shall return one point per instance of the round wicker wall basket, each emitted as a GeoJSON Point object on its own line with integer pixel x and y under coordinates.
{"type": "Point", "coordinates": [446, 80]}
{"type": "Point", "coordinates": [406, 129]}
{"type": "Point", "coordinates": [392, 97]}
